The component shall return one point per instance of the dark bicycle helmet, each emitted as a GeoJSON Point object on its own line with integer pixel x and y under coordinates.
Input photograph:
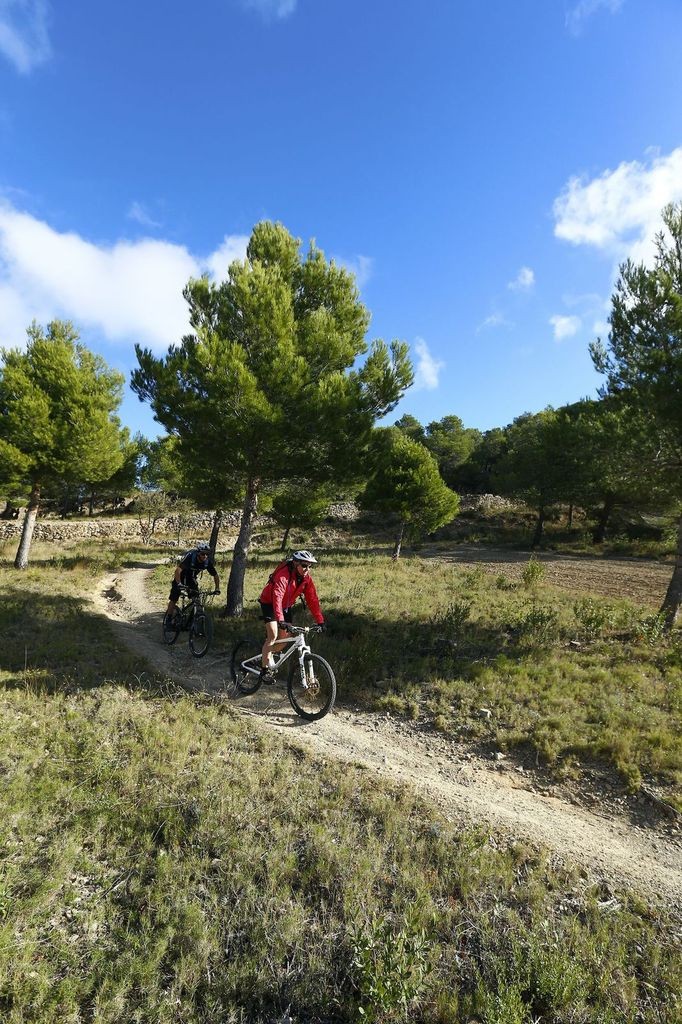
{"type": "Point", "coordinates": [304, 556]}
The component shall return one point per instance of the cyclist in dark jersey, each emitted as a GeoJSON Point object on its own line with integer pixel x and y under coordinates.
{"type": "Point", "coordinates": [187, 572]}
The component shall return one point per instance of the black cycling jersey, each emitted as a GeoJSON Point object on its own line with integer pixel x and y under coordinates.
{"type": "Point", "coordinates": [192, 565]}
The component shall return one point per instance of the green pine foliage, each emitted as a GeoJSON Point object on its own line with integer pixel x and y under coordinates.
{"type": "Point", "coordinates": [57, 417]}
{"type": "Point", "coordinates": [642, 363]}
{"type": "Point", "coordinates": [405, 483]}
{"type": "Point", "coordinates": [270, 379]}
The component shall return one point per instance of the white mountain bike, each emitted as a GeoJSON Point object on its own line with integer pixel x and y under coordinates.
{"type": "Point", "coordinates": [311, 686]}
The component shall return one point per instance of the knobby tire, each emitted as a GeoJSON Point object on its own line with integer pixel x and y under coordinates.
{"type": "Point", "coordinates": [170, 629]}
{"type": "Point", "coordinates": [245, 682]}
{"type": "Point", "coordinates": [200, 634]}
{"type": "Point", "coordinates": [316, 702]}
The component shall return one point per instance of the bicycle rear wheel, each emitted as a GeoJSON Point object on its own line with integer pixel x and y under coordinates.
{"type": "Point", "coordinates": [200, 634]}
{"type": "Point", "coordinates": [170, 628]}
{"type": "Point", "coordinates": [312, 697]}
{"type": "Point", "coordinates": [246, 682]}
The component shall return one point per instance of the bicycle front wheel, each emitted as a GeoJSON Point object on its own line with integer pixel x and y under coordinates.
{"type": "Point", "coordinates": [245, 650]}
{"type": "Point", "coordinates": [200, 634]}
{"type": "Point", "coordinates": [170, 628]}
{"type": "Point", "coordinates": [312, 697]}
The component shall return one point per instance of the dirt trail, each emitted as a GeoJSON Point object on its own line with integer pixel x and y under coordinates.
{"type": "Point", "coordinates": [465, 786]}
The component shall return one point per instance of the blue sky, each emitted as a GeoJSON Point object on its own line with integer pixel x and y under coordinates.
{"type": "Point", "coordinates": [483, 167]}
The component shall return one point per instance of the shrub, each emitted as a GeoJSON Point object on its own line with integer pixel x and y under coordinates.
{"type": "Point", "coordinates": [592, 617]}
{"type": "Point", "coordinates": [538, 626]}
{"type": "Point", "coordinates": [650, 630]}
{"type": "Point", "coordinates": [473, 578]}
{"type": "Point", "coordinates": [533, 573]}
{"type": "Point", "coordinates": [453, 619]}
{"type": "Point", "coordinates": [391, 965]}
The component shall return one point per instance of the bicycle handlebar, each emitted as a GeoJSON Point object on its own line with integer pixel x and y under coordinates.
{"type": "Point", "coordinates": [297, 630]}
{"type": "Point", "coordinates": [193, 591]}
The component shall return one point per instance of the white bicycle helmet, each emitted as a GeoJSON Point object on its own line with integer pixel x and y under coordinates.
{"type": "Point", "coordinates": [304, 556]}
{"type": "Point", "coordinates": [203, 545]}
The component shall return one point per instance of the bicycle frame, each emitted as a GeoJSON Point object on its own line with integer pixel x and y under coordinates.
{"type": "Point", "coordinates": [296, 643]}
{"type": "Point", "coordinates": [189, 606]}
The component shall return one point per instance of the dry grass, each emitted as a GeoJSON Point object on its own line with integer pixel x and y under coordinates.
{"type": "Point", "coordinates": [165, 861]}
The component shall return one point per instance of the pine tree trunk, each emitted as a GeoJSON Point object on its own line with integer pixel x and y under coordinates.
{"type": "Point", "coordinates": [599, 532]}
{"type": "Point", "coordinates": [569, 521]}
{"type": "Point", "coordinates": [539, 526]}
{"type": "Point", "coordinates": [398, 543]}
{"type": "Point", "coordinates": [21, 561]}
{"type": "Point", "coordinates": [673, 597]}
{"type": "Point", "coordinates": [235, 587]}
{"type": "Point", "coordinates": [285, 538]}
{"type": "Point", "coordinates": [215, 530]}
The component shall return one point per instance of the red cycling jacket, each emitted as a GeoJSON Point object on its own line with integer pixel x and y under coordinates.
{"type": "Point", "coordinates": [284, 586]}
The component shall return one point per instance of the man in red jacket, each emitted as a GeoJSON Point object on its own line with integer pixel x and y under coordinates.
{"type": "Point", "coordinates": [289, 580]}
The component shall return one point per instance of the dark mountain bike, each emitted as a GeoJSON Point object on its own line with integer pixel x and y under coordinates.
{"type": "Point", "coordinates": [311, 686]}
{"type": "Point", "coordinates": [191, 615]}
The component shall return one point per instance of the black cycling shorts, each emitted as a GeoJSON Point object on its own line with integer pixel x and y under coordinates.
{"type": "Point", "coordinates": [174, 595]}
{"type": "Point", "coordinates": [269, 613]}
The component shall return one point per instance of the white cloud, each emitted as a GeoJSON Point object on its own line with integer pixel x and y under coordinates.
{"type": "Point", "coordinates": [139, 213]}
{"type": "Point", "coordinates": [565, 326]}
{"type": "Point", "coordinates": [494, 320]}
{"type": "Point", "coordinates": [233, 247]}
{"type": "Point", "coordinates": [428, 368]}
{"type": "Point", "coordinates": [128, 291]}
{"type": "Point", "coordinates": [619, 212]}
{"type": "Point", "coordinates": [23, 33]}
{"type": "Point", "coordinates": [362, 267]}
{"type": "Point", "coordinates": [269, 9]}
{"type": "Point", "coordinates": [584, 9]}
{"type": "Point", "coordinates": [600, 328]}
{"type": "Point", "coordinates": [524, 280]}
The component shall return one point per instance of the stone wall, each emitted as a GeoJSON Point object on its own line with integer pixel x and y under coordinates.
{"type": "Point", "coordinates": [485, 503]}
{"type": "Point", "coordinates": [346, 511]}
{"type": "Point", "coordinates": [199, 525]}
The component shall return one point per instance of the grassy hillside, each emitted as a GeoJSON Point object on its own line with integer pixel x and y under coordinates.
{"type": "Point", "coordinates": [570, 680]}
{"type": "Point", "coordinates": [165, 860]}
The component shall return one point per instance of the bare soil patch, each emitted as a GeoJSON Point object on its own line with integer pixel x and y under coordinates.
{"type": "Point", "coordinates": [644, 582]}
{"type": "Point", "coordinates": [641, 851]}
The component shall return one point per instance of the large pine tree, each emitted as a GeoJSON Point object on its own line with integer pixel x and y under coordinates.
{"type": "Point", "coordinates": [267, 386]}
{"type": "Point", "coordinates": [642, 361]}
{"type": "Point", "coordinates": [57, 422]}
